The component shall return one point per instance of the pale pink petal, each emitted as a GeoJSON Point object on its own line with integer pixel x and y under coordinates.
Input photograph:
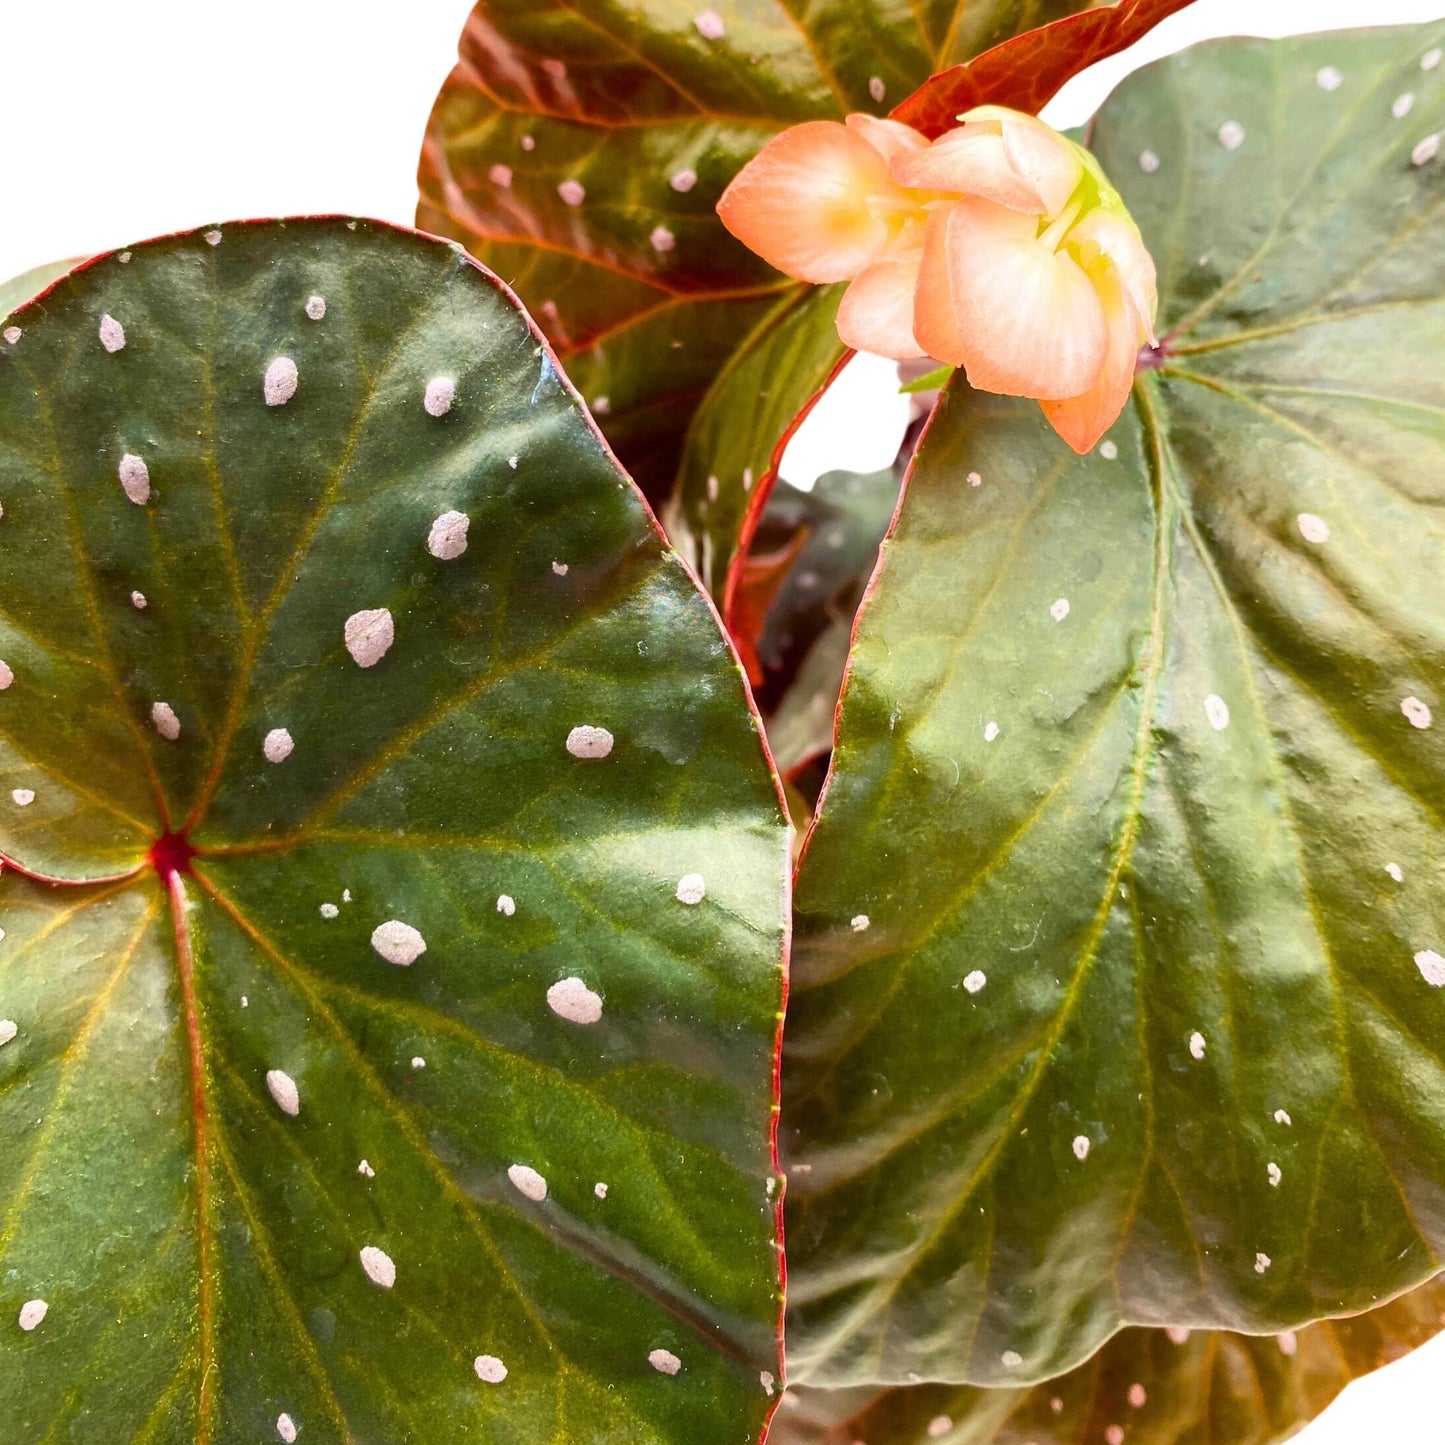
{"type": "Point", "coordinates": [1044, 158]}
{"type": "Point", "coordinates": [934, 325]}
{"type": "Point", "coordinates": [888, 137]}
{"type": "Point", "coordinates": [802, 203]}
{"type": "Point", "coordinates": [1082, 420]}
{"type": "Point", "coordinates": [972, 162]}
{"type": "Point", "coordinates": [1027, 318]}
{"type": "Point", "coordinates": [1115, 237]}
{"type": "Point", "coordinates": [906, 242]}
{"type": "Point", "coordinates": [876, 313]}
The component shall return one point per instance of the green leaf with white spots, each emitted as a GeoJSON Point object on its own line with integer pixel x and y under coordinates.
{"type": "Point", "coordinates": [580, 151]}
{"type": "Point", "coordinates": [1118, 990]}
{"type": "Point", "coordinates": [1145, 1387]}
{"type": "Point", "coordinates": [373, 1041]}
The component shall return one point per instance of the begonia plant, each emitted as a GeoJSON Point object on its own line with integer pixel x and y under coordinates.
{"type": "Point", "coordinates": [519, 925]}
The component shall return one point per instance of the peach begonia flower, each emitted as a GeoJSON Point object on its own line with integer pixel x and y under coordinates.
{"type": "Point", "coordinates": [1000, 247]}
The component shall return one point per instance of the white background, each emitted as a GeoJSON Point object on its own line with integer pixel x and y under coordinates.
{"type": "Point", "coordinates": [129, 118]}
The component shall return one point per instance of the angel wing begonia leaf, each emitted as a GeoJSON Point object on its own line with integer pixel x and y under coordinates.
{"type": "Point", "coordinates": [581, 151]}
{"type": "Point", "coordinates": [1145, 1387]}
{"type": "Point", "coordinates": [392, 1058]}
{"type": "Point", "coordinates": [1119, 994]}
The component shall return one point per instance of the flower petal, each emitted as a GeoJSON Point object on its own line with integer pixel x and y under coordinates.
{"type": "Point", "coordinates": [1116, 238]}
{"type": "Point", "coordinates": [802, 202]}
{"type": "Point", "coordinates": [970, 162]}
{"type": "Point", "coordinates": [1082, 420]}
{"type": "Point", "coordinates": [1039, 154]}
{"type": "Point", "coordinates": [888, 137]}
{"type": "Point", "coordinates": [934, 324]}
{"type": "Point", "coordinates": [1025, 319]}
{"type": "Point", "coordinates": [876, 313]}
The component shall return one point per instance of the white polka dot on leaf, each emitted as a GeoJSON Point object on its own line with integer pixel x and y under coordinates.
{"type": "Point", "coordinates": [281, 380]}
{"type": "Point", "coordinates": [527, 1182]}
{"type": "Point", "coordinates": [379, 1266]}
{"type": "Point", "coordinates": [589, 742]}
{"type": "Point", "coordinates": [489, 1369]}
{"type": "Point", "coordinates": [369, 635]}
{"type": "Point", "coordinates": [664, 1362]}
{"type": "Point", "coordinates": [284, 1091]}
{"type": "Point", "coordinates": [571, 999]}
{"type": "Point", "coordinates": [397, 942]}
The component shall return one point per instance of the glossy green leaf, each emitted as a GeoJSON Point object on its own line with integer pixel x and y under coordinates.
{"type": "Point", "coordinates": [580, 152]}
{"type": "Point", "coordinates": [31, 283]}
{"type": "Point", "coordinates": [739, 431]}
{"type": "Point", "coordinates": [1119, 994]}
{"type": "Point", "coordinates": [432, 1063]}
{"type": "Point", "coordinates": [1143, 1387]}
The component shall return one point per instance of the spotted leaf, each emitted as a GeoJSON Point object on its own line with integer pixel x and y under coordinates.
{"type": "Point", "coordinates": [580, 151]}
{"type": "Point", "coordinates": [1145, 1387]}
{"type": "Point", "coordinates": [1119, 995]}
{"type": "Point", "coordinates": [392, 1059]}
